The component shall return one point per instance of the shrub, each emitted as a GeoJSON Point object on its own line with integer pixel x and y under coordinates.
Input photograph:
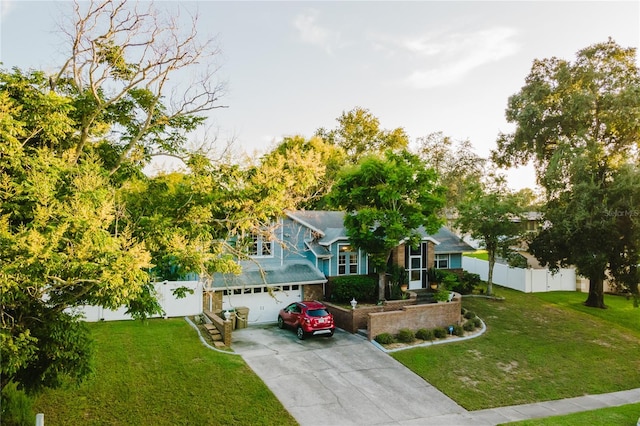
{"type": "Point", "coordinates": [440, 333]}
{"type": "Point", "coordinates": [384, 338]}
{"type": "Point", "coordinates": [463, 311]}
{"type": "Point", "coordinates": [458, 330]}
{"type": "Point", "coordinates": [16, 406]}
{"type": "Point", "coordinates": [442, 295]}
{"type": "Point", "coordinates": [477, 323]}
{"type": "Point", "coordinates": [467, 283]}
{"type": "Point", "coordinates": [425, 334]}
{"type": "Point", "coordinates": [469, 326]}
{"type": "Point", "coordinates": [398, 276]}
{"type": "Point", "coordinates": [469, 315]}
{"type": "Point", "coordinates": [406, 336]}
{"type": "Point", "coordinates": [363, 287]}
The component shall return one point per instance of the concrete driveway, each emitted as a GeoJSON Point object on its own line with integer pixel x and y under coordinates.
{"type": "Point", "coordinates": [342, 380]}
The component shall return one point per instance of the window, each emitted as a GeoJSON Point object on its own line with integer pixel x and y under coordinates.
{"type": "Point", "coordinates": [259, 245]}
{"type": "Point", "coordinates": [347, 260]}
{"type": "Point", "coordinates": [442, 261]}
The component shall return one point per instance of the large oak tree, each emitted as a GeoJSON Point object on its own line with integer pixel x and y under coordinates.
{"type": "Point", "coordinates": [580, 124]}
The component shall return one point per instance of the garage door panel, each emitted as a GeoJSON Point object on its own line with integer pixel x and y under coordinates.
{"type": "Point", "coordinates": [263, 306]}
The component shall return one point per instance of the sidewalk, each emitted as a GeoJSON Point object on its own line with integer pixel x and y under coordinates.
{"type": "Point", "coordinates": [495, 416]}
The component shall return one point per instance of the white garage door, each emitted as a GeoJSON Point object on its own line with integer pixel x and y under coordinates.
{"type": "Point", "coordinates": [263, 306]}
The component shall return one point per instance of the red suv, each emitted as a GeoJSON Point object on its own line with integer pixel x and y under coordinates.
{"type": "Point", "coordinates": [308, 318]}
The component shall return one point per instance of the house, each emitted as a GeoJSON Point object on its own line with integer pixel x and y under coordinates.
{"type": "Point", "coordinates": [448, 254]}
{"type": "Point", "coordinates": [306, 250]}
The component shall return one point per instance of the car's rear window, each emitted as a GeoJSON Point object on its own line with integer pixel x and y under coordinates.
{"type": "Point", "coordinates": [317, 312]}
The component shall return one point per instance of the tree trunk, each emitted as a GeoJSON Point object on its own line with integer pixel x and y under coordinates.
{"type": "Point", "coordinates": [381, 285]}
{"type": "Point", "coordinates": [596, 294]}
{"type": "Point", "coordinates": [492, 262]}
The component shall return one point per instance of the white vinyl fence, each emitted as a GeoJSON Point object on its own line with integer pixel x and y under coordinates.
{"type": "Point", "coordinates": [173, 307]}
{"type": "Point", "coordinates": [525, 280]}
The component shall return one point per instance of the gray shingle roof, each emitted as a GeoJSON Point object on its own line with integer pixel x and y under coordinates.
{"type": "Point", "coordinates": [318, 220]}
{"type": "Point", "coordinates": [450, 242]}
{"type": "Point", "coordinates": [271, 272]}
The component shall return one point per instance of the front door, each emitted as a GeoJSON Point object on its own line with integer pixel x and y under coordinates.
{"type": "Point", "coordinates": [417, 266]}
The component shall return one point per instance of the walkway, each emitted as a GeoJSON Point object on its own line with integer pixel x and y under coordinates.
{"type": "Point", "coordinates": [345, 380]}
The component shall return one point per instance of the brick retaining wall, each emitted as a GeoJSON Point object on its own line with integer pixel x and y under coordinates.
{"type": "Point", "coordinates": [394, 315]}
{"type": "Point", "coordinates": [414, 317]}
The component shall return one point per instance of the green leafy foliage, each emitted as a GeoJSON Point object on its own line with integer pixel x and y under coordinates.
{"type": "Point", "coordinates": [425, 334]}
{"type": "Point", "coordinates": [469, 314]}
{"type": "Point", "coordinates": [579, 123]}
{"type": "Point", "coordinates": [387, 199]}
{"type": "Point", "coordinates": [361, 287]}
{"type": "Point", "coordinates": [406, 336]}
{"type": "Point", "coordinates": [385, 338]}
{"type": "Point", "coordinates": [440, 333]}
{"type": "Point", "coordinates": [458, 330]}
{"type": "Point", "coordinates": [463, 283]}
{"type": "Point", "coordinates": [455, 162]}
{"type": "Point", "coordinates": [469, 326]}
{"type": "Point", "coordinates": [16, 407]}
{"type": "Point", "coordinates": [490, 214]}
{"type": "Point", "coordinates": [359, 134]}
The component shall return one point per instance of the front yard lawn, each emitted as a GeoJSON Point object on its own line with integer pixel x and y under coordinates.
{"type": "Point", "coordinates": [536, 348]}
{"type": "Point", "coordinates": [158, 373]}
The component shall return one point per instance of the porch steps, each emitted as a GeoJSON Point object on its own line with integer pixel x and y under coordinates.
{"type": "Point", "coordinates": [423, 296]}
{"type": "Point", "coordinates": [213, 332]}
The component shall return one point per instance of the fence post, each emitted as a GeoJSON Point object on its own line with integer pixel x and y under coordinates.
{"type": "Point", "coordinates": [40, 419]}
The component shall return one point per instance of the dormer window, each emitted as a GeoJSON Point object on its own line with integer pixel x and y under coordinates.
{"type": "Point", "coordinates": [260, 245]}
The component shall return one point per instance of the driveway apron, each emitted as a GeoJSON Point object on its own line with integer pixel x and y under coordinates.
{"type": "Point", "coordinates": [343, 380]}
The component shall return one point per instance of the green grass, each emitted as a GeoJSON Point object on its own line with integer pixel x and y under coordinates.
{"type": "Point", "coordinates": [158, 373]}
{"type": "Point", "coordinates": [478, 254]}
{"type": "Point", "coordinates": [535, 350]}
{"type": "Point", "coordinates": [620, 310]}
{"type": "Point", "coordinates": [620, 416]}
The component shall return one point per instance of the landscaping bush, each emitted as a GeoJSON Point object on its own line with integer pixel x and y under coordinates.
{"type": "Point", "coordinates": [458, 330]}
{"type": "Point", "coordinates": [440, 333]}
{"type": "Point", "coordinates": [469, 315]}
{"type": "Point", "coordinates": [425, 334]}
{"type": "Point", "coordinates": [363, 287]}
{"type": "Point", "coordinates": [442, 295]}
{"type": "Point", "coordinates": [398, 276]}
{"type": "Point", "coordinates": [406, 336]}
{"type": "Point", "coordinates": [466, 283]}
{"type": "Point", "coordinates": [384, 339]}
{"type": "Point", "coordinates": [477, 323]}
{"type": "Point", "coordinates": [469, 326]}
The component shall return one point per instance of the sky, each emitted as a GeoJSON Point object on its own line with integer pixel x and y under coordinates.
{"type": "Point", "coordinates": [427, 66]}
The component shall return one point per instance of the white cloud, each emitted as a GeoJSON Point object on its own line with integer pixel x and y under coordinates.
{"type": "Point", "coordinates": [312, 33]}
{"type": "Point", "coordinates": [446, 58]}
{"type": "Point", "coordinates": [6, 6]}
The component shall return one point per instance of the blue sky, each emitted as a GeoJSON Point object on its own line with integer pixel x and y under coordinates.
{"type": "Point", "coordinates": [292, 67]}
